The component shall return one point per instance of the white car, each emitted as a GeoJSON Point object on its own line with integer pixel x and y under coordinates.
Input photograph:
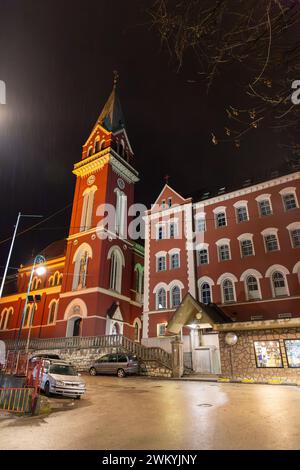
{"type": "Point", "coordinates": [60, 378]}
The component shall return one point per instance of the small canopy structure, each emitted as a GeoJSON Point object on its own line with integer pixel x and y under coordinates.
{"type": "Point", "coordinates": [191, 311]}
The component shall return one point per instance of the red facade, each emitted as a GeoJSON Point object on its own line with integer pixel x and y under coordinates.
{"type": "Point", "coordinates": [93, 281]}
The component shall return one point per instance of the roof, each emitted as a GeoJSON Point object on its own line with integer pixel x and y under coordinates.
{"type": "Point", "coordinates": [56, 249]}
{"type": "Point", "coordinates": [189, 308]}
{"type": "Point", "coordinates": [208, 193]}
{"type": "Point", "coordinates": [111, 117]}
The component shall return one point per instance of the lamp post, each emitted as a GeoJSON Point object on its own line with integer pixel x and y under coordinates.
{"type": "Point", "coordinates": [38, 268]}
{"type": "Point", "coordinates": [11, 247]}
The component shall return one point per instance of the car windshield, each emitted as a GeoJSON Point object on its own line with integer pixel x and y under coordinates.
{"type": "Point", "coordinates": [62, 369]}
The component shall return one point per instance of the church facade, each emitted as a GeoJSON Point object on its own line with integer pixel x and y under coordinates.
{"type": "Point", "coordinates": [93, 283]}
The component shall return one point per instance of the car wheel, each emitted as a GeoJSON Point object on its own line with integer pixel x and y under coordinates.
{"type": "Point", "coordinates": [93, 371]}
{"type": "Point", "coordinates": [78, 397]}
{"type": "Point", "coordinates": [121, 373]}
{"type": "Point", "coordinates": [47, 389]}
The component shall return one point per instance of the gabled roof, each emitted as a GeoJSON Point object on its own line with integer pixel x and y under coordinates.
{"type": "Point", "coordinates": [167, 191]}
{"type": "Point", "coordinates": [111, 116]}
{"type": "Point", "coordinates": [186, 314]}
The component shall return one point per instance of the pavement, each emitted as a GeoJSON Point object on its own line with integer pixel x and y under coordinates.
{"type": "Point", "coordinates": [137, 413]}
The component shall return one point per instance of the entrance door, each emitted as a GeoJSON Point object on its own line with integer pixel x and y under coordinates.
{"type": "Point", "coordinates": [202, 361]}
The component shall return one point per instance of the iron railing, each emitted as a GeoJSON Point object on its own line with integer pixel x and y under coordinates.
{"type": "Point", "coordinates": [18, 400]}
{"type": "Point", "coordinates": [119, 342]}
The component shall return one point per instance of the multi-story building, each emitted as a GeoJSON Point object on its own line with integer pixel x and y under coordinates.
{"type": "Point", "coordinates": [237, 252]}
{"type": "Point", "coordinates": [94, 279]}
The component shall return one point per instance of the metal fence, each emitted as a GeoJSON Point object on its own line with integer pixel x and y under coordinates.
{"type": "Point", "coordinates": [106, 341]}
{"type": "Point", "coordinates": [18, 400]}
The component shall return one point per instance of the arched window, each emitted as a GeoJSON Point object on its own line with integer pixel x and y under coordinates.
{"type": "Point", "coordinates": [5, 318]}
{"type": "Point", "coordinates": [81, 260]}
{"type": "Point", "coordinates": [36, 283]}
{"type": "Point", "coordinates": [161, 299]}
{"type": "Point", "coordinates": [30, 311]}
{"type": "Point", "coordinates": [224, 252]}
{"type": "Point", "coordinates": [137, 329]}
{"type": "Point", "coordinates": [87, 208]}
{"type": "Point", "coordinates": [279, 284]}
{"type": "Point", "coordinates": [246, 248]}
{"type": "Point", "coordinates": [97, 146]}
{"type": "Point", "coordinates": [252, 288]}
{"type": "Point", "coordinates": [121, 148]}
{"type": "Point", "coordinates": [228, 291]}
{"type": "Point", "coordinates": [116, 267]}
{"type": "Point", "coordinates": [52, 312]}
{"type": "Point", "coordinates": [203, 256]}
{"type": "Point", "coordinates": [51, 281]}
{"type": "Point", "coordinates": [56, 278]}
{"type": "Point", "coordinates": [90, 151]}
{"type": "Point", "coordinates": [205, 293]}
{"type": "Point", "coordinates": [175, 296]}
{"type": "Point", "coordinates": [60, 279]}
{"type": "Point", "coordinates": [121, 209]}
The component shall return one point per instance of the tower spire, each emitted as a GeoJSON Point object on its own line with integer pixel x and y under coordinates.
{"type": "Point", "coordinates": [116, 77]}
{"type": "Point", "coordinates": [111, 117]}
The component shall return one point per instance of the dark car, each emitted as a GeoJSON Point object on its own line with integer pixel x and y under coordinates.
{"type": "Point", "coordinates": [115, 364]}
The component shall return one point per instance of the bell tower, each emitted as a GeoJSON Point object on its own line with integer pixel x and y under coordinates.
{"type": "Point", "coordinates": [95, 265]}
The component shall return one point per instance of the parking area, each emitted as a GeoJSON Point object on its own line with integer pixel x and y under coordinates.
{"type": "Point", "coordinates": [139, 413]}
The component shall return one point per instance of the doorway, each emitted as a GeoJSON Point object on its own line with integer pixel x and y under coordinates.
{"type": "Point", "coordinates": [74, 326]}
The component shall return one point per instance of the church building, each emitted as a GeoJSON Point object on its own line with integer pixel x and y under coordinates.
{"type": "Point", "coordinates": [93, 284]}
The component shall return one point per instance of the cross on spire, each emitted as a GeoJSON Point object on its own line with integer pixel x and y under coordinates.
{"type": "Point", "coordinates": [166, 178]}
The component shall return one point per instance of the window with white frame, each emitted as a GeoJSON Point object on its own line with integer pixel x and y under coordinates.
{"type": "Point", "coordinates": [289, 201]}
{"type": "Point", "coordinates": [241, 214]}
{"type": "Point", "coordinates": [265, 207]}
{"type": "Point", "coordinates": [175, 295]}
{"type": "Point", "coordinates": [253, 292]}
{"type": "Point", "coordinates": [289, 198]}
{"type": "Point", "coordinates": [161, 329]}
{"type": "Point", "coordinates": [224, 252]}
{"type": "Point", "coordinates": [29, 315]}
{"type": "Point", "coordinates": [116, 269]}
{"type": "Point", "coordinates": [173, 229]}
{"type": "Point", "coordinates": [160, 232]}
{"type": "Point", "coordinates": [87, 208]}
{"type": "Point", "coordinates": [52, 312]}
{"type": "Point", "coordinates": [246, 247]}
{"type": "Point", "coordinates": [161, 263]}
{"type": "Point", "coordinates": [228, 291]}
{"type": "Point", "coordinates": [163, 204]}
{"type": "Point", "coordinates": [295, 237]}
{"type": "Point", "coordinates": [174, 261]}
{"type": "Point", "coordinates": [205, 293]}
{"type": "Point", "coordinates": [5, 318]}
{"type": "Point", "coordinates": [202, 256]}
{"type": "Point", "coordinates": [201, 224]}
{"type": "Point", "coordinates": [279, 284]}
{"type": "Point", "coordinates": [169, 202]}
{"type": "Point", "coordinates": [121, 210]}
{"type": "Point", "coordinates": [271, 242]}
{"type": "Point", "coordinates": [220, 219]}
{"type": "Point", "coordinates": [161, 299]}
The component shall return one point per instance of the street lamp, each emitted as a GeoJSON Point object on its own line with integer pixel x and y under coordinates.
{"type": "Point", "coordinates": [11, 247]}
{"type": "Point", "coordinates": [39, 268]}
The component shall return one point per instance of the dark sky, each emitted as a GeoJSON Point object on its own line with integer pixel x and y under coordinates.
{"type": "Point", "coordinates": [57, 58]}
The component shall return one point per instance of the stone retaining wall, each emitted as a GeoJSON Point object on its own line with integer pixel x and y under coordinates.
{"type": "Point", "coordinates": [82, 359]}
{"type": "Point", "coordinates": [243, 357]}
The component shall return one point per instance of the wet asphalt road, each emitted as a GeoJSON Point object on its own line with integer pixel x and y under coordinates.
{"type": "Point", "coordinates": [136, 413]}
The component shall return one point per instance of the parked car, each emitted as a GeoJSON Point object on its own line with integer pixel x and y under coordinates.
{"type": "Point", "coordinates": [38, 357]}
{"type": "Point", "coordinates": [118, 364]}
{"type": "Point", "coordinates": [61, 378]}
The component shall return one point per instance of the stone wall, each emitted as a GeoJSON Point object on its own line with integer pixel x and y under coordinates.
{"type": "Point", "coordinates": [82, 359]}
{"type": "Point", "coordinates": [241, 366]}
